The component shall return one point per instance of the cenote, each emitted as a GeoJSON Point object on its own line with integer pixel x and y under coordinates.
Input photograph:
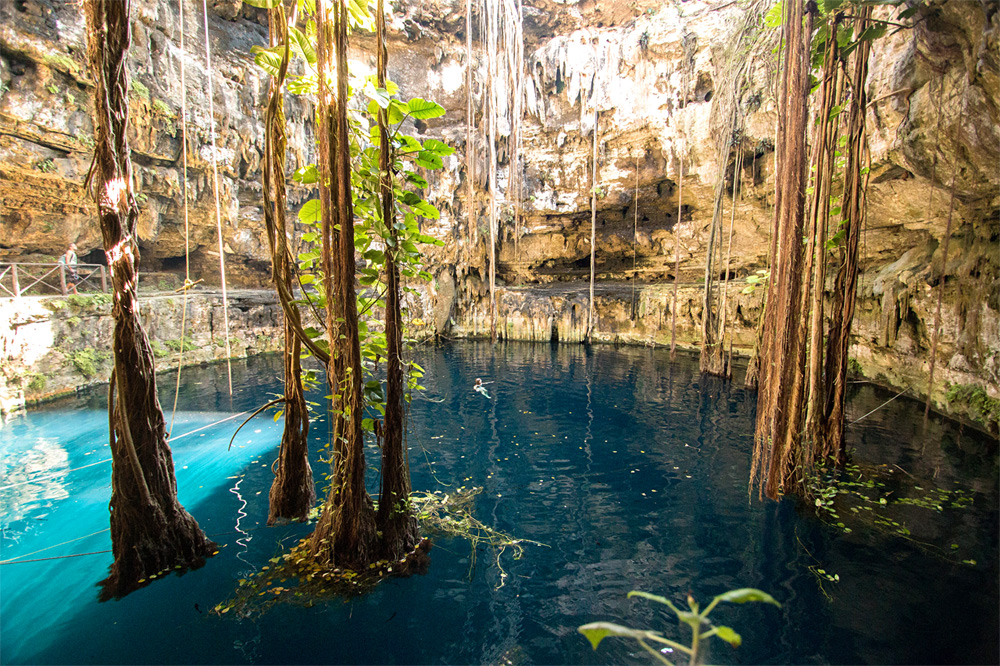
{"type": "Point", "coordinates": [630, 472]}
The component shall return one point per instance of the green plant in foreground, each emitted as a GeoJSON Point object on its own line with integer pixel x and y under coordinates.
{"type": "Point", "coordinates": [701, 628]}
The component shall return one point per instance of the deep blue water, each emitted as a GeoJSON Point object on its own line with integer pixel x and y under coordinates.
{"type": "Point", "coordinates": [632, 471]}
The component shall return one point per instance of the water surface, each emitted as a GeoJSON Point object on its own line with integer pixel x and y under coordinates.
{"type": "Point", "coordinates": [630, 469]}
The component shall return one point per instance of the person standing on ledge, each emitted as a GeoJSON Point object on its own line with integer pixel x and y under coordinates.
{"type": "Point", "coordinates": [70, 261]}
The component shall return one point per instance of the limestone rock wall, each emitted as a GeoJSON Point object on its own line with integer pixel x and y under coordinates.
{"type": "Point", "coordinates": [49, 346]}
{"type": "Point", "coordinates": [655, 71]}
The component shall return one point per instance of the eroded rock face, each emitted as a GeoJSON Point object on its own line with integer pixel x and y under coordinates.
{"type": "Point", "coordinates": [656, 73]}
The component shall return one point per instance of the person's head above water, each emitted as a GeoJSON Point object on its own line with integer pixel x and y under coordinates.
{"type": "Point", "coordinates": [479, 381]}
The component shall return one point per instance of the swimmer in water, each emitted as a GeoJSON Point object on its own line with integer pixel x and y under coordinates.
{"type": "Point", "coordinates": [481, 388]}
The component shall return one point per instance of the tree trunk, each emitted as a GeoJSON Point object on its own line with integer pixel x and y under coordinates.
{"type": "Point", "coordinates": [292, 491]}
{"type": "Point", "coordinates": [151, 533]}
{"type": "Point", "coordinates": [345, 532]}
{"type": "Point", "coordinates": [400, 532]}
{"type": "Point", "coordinates": [776, 441]}
{"type": "Point", "coordinates": [846, 284]}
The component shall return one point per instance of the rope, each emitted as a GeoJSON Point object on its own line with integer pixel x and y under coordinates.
{"type": "Point", "coordinates": [18, 560]}
{"type": "Point", "coordinates": [187, 236]}
{"type": "Point", "coordinates": [42, 550]}
{"type": "Point", "coordinates": [218, 205]}
{"type": "Point", "coordinates": [878, 408]}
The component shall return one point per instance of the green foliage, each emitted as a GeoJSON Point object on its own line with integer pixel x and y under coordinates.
{"type": "Point", "coordinates": [159, 351]}
{"type": "Point", "coordinates": [850, 498]}
{"type": "Point", "coordinates": [162, 108]}
{"type": "Point", "coordinates": [139, 90]}
{"type": "Point", "coordinates": [701, 628]}
{"type": "Point", "coordinates": [757, 280]}
{"type": "Point", "coordinates": [87, 301]}
{"type": "Point", "coordinates": [177, 345]}
{"type": "Point", "coordinates": [854, 368]}
{"type": "Point", "coordinates": [3, 88]}
{"type": "Point", "coordinates": [52, 88]}
{"type": "Point", "coordinates": [978, 404]}
{"type": "Point", "coordinates": [374, 238]}
{"type": "Point", "coordinates": [62, 62]}
{"type": "Point", "coordinates": [37, 382]}
{"type": "Point", "coordinates": [46, 165]}
{"type": "Point", "coordinates": [87, 361]}
{"type": "Point", "coordinates": [86, 141]}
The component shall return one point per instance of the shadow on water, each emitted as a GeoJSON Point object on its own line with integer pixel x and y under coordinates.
{"type": "Point", "coordinates": [629, 468]}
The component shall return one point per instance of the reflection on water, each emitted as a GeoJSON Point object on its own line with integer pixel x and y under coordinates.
{"type": "Point", "coordinates": [30, 479]}
{"type": "Point", "coordinates": [630, 469]}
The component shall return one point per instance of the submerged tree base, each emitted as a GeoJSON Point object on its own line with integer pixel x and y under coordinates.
{"type": "Point", "coordinates": [297, 577]}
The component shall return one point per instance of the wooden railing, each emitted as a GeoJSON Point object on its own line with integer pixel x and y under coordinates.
{"type": "Point", "coordinates": [44, 279]}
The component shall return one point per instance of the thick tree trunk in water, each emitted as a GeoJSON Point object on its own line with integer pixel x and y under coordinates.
{"type": "Point", "coordinates": [292, 491]}
{"type": "Point", "coordinates": [395, 520]}
{"type": "Point", "coordinates": [845, 288]}
{"type": "Point", "coordinates": [819, 213]}
{"type": "Point", "coordinates": [151, 533]}
{"type": "Point", "coordinates": [779, 398]}
{"type": "Point", "coordinates": [345, 532]}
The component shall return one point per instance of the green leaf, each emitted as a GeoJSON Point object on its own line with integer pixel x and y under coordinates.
{"type": "Point", "coordinates": [302, 45]}
{"type": "Point", "coordinates": [728, 635]}
{"type": "Point", "coordinates": [746, 594]}
{"type": "Point", "coordinates": [416, 179]}
{"type": "Point", "coordinates": [429, 160]}
{"type": "Point", "coordinates": [425, 209]}
{"type": "Point", "coordinates": [268, 60]}
{"type": "Point", "coordinates": [263, 4]}
{"type": "Point", "coordinates": [598, 631]}
{"type": "Point", "coordinates": [310, 212]}
{"type": "Point", "coordinates": [397, 111]}
{"type": "Point", "coordinates": [377, 95]}
{"type": "Point", "coordinates": [438, 147]}
{"type": "Point", "coordinates": [773, 18]}
{"type": "Point", "coordinates": [306, 175]}
{"type": "Point", "coordinates": [422, 109]}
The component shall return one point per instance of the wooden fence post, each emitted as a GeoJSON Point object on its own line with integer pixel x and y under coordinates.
{"type": "Point", "coordinates": [17, 285]}
{"type": "Point", "coordinates": [104, 281]}
{"type": "Point", "coordinates": [62, 278]}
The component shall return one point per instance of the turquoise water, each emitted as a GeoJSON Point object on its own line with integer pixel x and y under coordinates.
{"type": "Point", "coordinates": [631, 471]}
